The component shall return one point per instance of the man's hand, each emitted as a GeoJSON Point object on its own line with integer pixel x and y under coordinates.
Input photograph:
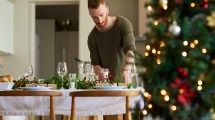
{"type": "Point", "coordinates": [97, 69]}
{"type": "Point", "coordinates": [129, 58]}
{"type": "Point", "coordinates": [125, 76]}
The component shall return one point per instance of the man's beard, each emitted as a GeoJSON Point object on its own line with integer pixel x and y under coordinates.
{"type": "Point", "coordinates": [103, 24]}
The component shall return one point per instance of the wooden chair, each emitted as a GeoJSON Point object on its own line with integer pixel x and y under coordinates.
{"type": "Point", "coordinates": [102, 93]}
{"type": "Point", "coordinates": [35, 93]}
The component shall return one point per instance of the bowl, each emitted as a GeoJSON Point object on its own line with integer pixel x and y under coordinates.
{"type": "Point", "coordinates": [6, 85]}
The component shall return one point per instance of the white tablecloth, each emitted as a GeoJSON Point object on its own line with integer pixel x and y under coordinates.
{"type": "Point", "coordinates": [24, 106]}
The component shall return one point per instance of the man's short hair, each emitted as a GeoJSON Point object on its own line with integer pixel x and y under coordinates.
{"type": "Point", "coordinates": [95, 3]}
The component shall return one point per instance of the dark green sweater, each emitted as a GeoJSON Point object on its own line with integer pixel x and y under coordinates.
{"type": "Point", "coordinates": [108, 49]}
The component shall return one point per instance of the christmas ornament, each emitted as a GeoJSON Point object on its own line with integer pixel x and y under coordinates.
{"type": "Point", "coordinates": [174, 29]}
{"type": "Point", "coordinates": [211, 19]}
{"type": "Point", "coordinates": [163, 3]}
{"type": "Point", "coordinates": [183, 73]}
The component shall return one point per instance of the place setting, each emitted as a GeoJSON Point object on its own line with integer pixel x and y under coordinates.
{"type": "Point", "coordinates": [34, 84]}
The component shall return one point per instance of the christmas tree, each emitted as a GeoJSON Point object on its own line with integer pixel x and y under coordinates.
{"type": "Point", "coordinates": [179, 59]}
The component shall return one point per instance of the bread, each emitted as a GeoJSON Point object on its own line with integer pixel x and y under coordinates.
{"type": "Point", "coordinates": [6, 78]}
{"type": "Point", "coordinates": [10, 78]}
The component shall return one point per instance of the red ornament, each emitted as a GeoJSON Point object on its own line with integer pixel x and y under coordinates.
{"type": "Point", "coordinates": [185, 97]}
{"type": "Point", "coordinates": [180, 70]}
{"type": "Point", "coordinates": [176, 83]}
{"type": "Point", "coordinates": [184, 74]}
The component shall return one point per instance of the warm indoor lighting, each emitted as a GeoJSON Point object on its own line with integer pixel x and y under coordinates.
{"type": "Point", "coordinates": [196, 42]}
{"type": "Point", "coordinates": [149, 97]}
{"type": "Point", "coordinates": [192, 4]}
{"type": "Point", "coordinates": [155, 23]}
{"type": "Point", "coordinates": [146, 94]}
{"type": "Point", "coordinates": [149, 8]}
{"type": "Point", "coordinates": [163, 92]}
{"type": "Point", "coordinates": [173, 108]}
{"type": "Point", "coordinates": [184, 54]}
{"type": "Point", "coordinates": [199, 82]}
{"type": "Point", "coordinates": [162, 44]}
{"type": "Point", "coordinates": [185, 43]}
{"type": "Point", "coordinates": [158, 52]}
{"type": "Point", "coordinates": [192, 45]}
{"type": "Point", "coordinates": [166, 98]}
{"type": "Point", "coordinates": [199, 88]}
{"type": "Point", "coordinates": [148, 47]}
{"type": "Point", "coordinates": [165, 7]}
{"type": "Point", "coordinates": [204, 50]}
{"type": "Point", "coordinates": [153, 50]}
{"type": "Point", "coordinates": [146, 54]}
{"type": "Point", "coordinates": [181, 91]}
{"type": "Point", "coordinates": [158, 61]}
{"type": "Point", "coordinates": [144, 112]}
{"type": "Point", "coordinates": [150, 106]}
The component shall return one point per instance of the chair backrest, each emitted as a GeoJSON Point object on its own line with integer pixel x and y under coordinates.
{"type": "Point", "coordinates": [35, 93]}
{"type": "Point", "coordinates": [103, 93]}
{"type": "Point", "coordinates": [29, 93]}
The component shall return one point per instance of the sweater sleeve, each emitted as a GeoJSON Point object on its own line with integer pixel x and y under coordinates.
{"type": "Point", "coordinates": [128, 37]}
{"type": "Point", "coordinates": [94, 55]}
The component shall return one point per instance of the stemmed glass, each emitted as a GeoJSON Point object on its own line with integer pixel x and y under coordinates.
{"type": "Point", "coordinates": [30, 72]}
{"type": "Point", "coordinates": [62, 71]}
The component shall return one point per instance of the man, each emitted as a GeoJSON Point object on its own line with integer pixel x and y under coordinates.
{"type": "Point", "coordinates": [111, 42]}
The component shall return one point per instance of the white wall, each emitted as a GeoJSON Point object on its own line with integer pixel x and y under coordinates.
{"type": "Point", "coordinates": [46, 31]}
{"type": "Point", "coordinates": [15, 64]}
{"type": "Point", "coordinates": [6, 27]}
{"type": "Point", "coordinates": [128, 9]}
{"type": "Point", "coordinates": [85, 26]}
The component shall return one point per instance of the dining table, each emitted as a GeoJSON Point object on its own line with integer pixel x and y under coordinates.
{"type": "Point", "coordinates": [85, 106]}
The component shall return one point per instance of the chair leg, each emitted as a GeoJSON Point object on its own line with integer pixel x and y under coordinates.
{"type": "Point", "coordinates": [52, 113]}
{"type": "Point", "coordinates": [113, 117]}
{"type": "Point", "coordinates": [95, 117]}
{"type": "Point", "coordinates": [128, 112]}
{"type": "Point", "coordinates": [69, 117]}
{"type": "Point", "coordinates": [41, 117]}
{"type": "Point", "coordinates": [73, 112]}
{"type": "Point", "coordinates": [63, 117]}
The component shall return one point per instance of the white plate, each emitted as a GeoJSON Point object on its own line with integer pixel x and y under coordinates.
{"type": "Point", "coordinates": [110, 87]}
{"type": "Point", "coordinates": [36, 88]}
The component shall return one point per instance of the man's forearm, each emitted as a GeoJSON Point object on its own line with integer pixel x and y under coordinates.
{"type": "Point", "coordinates": [129, 58]}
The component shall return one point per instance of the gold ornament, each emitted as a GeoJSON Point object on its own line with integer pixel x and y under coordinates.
{"type": "Point", "coordinates": [211, 19]}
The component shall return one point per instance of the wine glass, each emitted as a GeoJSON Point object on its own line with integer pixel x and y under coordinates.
{"type": "Point", "coordinates": [62, 71]}
{"type": "Point", "coordinates": [29, 72]}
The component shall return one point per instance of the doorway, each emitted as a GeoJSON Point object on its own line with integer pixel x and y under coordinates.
{"type": "Point", "coordinates": [57, 38]}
